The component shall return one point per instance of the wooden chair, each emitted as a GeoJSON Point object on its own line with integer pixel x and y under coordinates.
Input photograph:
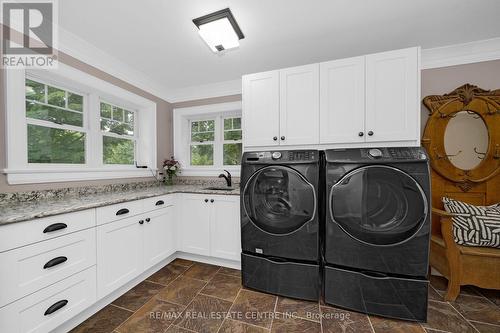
{"type": "Point", "coordinates": [463, 265]}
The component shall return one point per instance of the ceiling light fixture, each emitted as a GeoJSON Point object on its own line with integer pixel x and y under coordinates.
{"type": "Point", "coordinates": [219, 30]}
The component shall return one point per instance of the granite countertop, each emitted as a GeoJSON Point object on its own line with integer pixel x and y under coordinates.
{"type": "Point", "coordinates": [17, 211]}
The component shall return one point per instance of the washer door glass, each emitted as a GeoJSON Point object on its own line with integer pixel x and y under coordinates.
{"type": "Point", "coordinates": [279, 200]}
{"type": "Point", "coordinates": [378, 205]}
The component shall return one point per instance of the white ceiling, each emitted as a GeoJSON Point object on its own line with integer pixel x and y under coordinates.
{"type": "Point", "coordinates": [158, 39]}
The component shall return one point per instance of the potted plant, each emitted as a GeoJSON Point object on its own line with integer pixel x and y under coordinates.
{"type": "Point", "coordinates": [170, 169]}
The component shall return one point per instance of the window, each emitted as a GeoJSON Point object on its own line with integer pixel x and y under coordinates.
{"type": "Point", "coordinates": [202, 142]}
{"type": "Point", "coordinates": [55, 124]}
{"type": "Point", "coordinates": [118, 134]}
{"type": "Point", "coordinates": [232, 146]}
{"type": "Point", "coordinates": [208, 139]}
{"type": "Point", "coordinates": [66, 125]}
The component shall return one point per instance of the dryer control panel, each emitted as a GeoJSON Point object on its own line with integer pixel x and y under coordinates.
{"type": "Point", "coordinates": [282, 156]}
{"type": "Point", "coordinates": [385, 154]}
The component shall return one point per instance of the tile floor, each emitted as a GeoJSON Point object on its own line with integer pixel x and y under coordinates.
{"type": "Point", "coordinates": [187, 296]}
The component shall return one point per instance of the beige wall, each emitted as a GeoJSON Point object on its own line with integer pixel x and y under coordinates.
{"type": "Point", "coordinates": [164, 128]}
{"type": "Point", "coordinates": [207, 101]}
{"type": "Point", "coordinates": [438, 81]}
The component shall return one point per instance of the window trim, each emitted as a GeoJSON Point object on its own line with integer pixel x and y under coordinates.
{"type": "Point", "coordinates": [19, 171]}
{"type": "Point", "coordinates": [182, 136]}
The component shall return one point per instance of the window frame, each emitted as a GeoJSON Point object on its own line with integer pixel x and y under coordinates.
{"type": "Point", "coordinates": [134, 138]}
{"type": "Point", "coordinates": [93, 89]}
{"type": "Point", "coordinates": [50, 124]}
{"type": "Point", "coordinates": [182, 136]}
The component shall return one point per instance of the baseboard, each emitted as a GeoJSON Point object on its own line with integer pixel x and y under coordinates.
{"type": "Point", "coordinates": [209, 260]}
{"type": "Point", "coordinates": [100, 304]}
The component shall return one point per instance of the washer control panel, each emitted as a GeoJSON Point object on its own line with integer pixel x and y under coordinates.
{"type": "Point", "coordinates": [282, 156]}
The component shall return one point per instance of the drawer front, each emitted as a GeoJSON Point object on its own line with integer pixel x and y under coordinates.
{"type": "Point", "coordinates": [158, 202]}
{"type": "Point", "coordinates": [284, 278]}
{"type": "Point", "coordinates": [373, 293]}
{"type": "Point", "coordinates": [50, 307]}
{"type": "Point", "coordinates": [24, 233]}
{"type": "Point", "coordinates": [119, 211]}
{"type": "Point", "coordinates": [31, 268]}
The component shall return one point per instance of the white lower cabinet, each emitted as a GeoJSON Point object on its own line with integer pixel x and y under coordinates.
{"type": "Point", "coordinates": [50, 307]}
{"type": "Point", "coordinates": [47, 282]}
{"type": "Point", "coordinates": [210, 225]}
{"type": "Point", "coordinates": [194, 224]}
{"type": "Point", "coordinates": [225, 240]}
{"type": "Point", "coordinates": [36, 266]}
{"type": "Point", "coordinates": [159, 236]}
{"type": "Point", "coordinates": [119, 254]}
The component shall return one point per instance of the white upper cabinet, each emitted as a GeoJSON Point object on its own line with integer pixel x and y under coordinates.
{"type": "Point", "coordinates": [299, 105]}
{"type": "Point", "coordinates": [393, 95]}
{"type": "Point", "coordinates": [362, 101]}
{"type": "Point", "coordinates": [261, 107]}
{"type": "Point", "coordinates": [342, 101]}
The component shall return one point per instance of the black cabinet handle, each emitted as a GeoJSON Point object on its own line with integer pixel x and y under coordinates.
{"type": "Point", "coordinates": [55, 262]}
{"type": "Point", "coordinates": [148, 219]}
{"type": "Point", "coordinates": [211, 200]}
{"type": "Point", "coordinates": [122, 211]}
{"type": "Point", "coordinates": [282, 138]}
{"type": "Point", "coordinates": [370, 133]}
{"type": "Point", "coordinates": [56, 306]}
{"type": "Point", "coordinates": [54, 227]}
{"type": "Point", "coordinates": [275, 138]}
{"type": "Point", "coordinates": [206, 200]}
{"type": "Point", "coordinates": [159, 203]}
{"type": "Point", "coordinates": [141, 221]}
{"type": "Point", "coordinates": [361, 134]}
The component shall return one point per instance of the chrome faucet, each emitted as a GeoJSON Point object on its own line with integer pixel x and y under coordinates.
{"type": "Point", "coordinates": [227, 178]}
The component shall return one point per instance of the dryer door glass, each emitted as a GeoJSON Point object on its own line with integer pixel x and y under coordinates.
{"type": "Point", "coordinates": [378, 205]}
{"type": "Point", "coordinates": [279, 200]}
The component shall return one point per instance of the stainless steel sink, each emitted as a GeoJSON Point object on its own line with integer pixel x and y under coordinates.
{"type": "Point", "coordinates": [219, 188]}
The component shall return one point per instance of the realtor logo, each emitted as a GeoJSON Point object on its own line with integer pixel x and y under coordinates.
{"type": "Point", "coordinates": [29, 34]}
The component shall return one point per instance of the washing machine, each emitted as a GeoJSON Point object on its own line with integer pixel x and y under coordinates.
{"type": "Point", "coordinates": [279, 222]}
{"type": "Point", "coordinates": [377, 229]}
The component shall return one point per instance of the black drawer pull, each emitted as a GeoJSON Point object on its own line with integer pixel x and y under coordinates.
{"type": "Point", "coordinates": [54, 227]}
{"type": "Point", "coordinates": [212, 200]}
{"type": "Point", "coordinates": [54, 262]}
{"type": "Point", "coordinates": [122, 211]}
{"type": "Point", "coordinates": [148, 219]}
{"type": "Point", "coordinates": [56, 306]}
{"type": "Point", "coordinates": [159, 203]}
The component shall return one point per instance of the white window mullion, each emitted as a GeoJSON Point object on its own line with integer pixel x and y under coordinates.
{"type": "Point", "coordinates": [94, 140]}
{"type": "Point", "coordinates": [219, 128]}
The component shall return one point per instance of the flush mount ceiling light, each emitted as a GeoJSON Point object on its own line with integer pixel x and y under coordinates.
{"type": "Point", "coordinates": [219, 30]}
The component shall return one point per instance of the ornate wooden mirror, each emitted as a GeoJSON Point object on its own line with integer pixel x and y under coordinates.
{"type": "Point", "coordinates": [462, 136]}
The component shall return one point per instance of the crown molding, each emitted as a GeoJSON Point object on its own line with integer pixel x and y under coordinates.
{"type": "Point", "coordinates": [86, 52]}
{"type": "Point", "coordinates": [218, 89]}
{"type": "Point", "coordinates": [461, 54]}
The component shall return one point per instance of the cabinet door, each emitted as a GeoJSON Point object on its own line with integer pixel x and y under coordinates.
{"type": "Point", "coordinates": [261, 109]}
{"type": "Point", "coordinates": [119, 253]}
{"type": "Point", "coordinates": [299, 105]}
{"type": "Point", "coordinates": [195, 224]}
{"type": "Point", "coordinates": [225, 227]}
{"type": "Point", "coordinates": [159, 233]}
{"type": "Point", "coordinates": [393, 95]}
{"type": "Point", "coordinates": [342, 101]}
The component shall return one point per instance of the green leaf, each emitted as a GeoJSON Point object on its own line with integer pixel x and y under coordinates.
{"type": "Point", "coordinates": [117, 151]}
{"type": "Point", "coordinates": [52, 145]}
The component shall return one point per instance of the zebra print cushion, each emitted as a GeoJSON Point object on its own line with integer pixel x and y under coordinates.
{"type": "Point", "coordinates": [474, 225]}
